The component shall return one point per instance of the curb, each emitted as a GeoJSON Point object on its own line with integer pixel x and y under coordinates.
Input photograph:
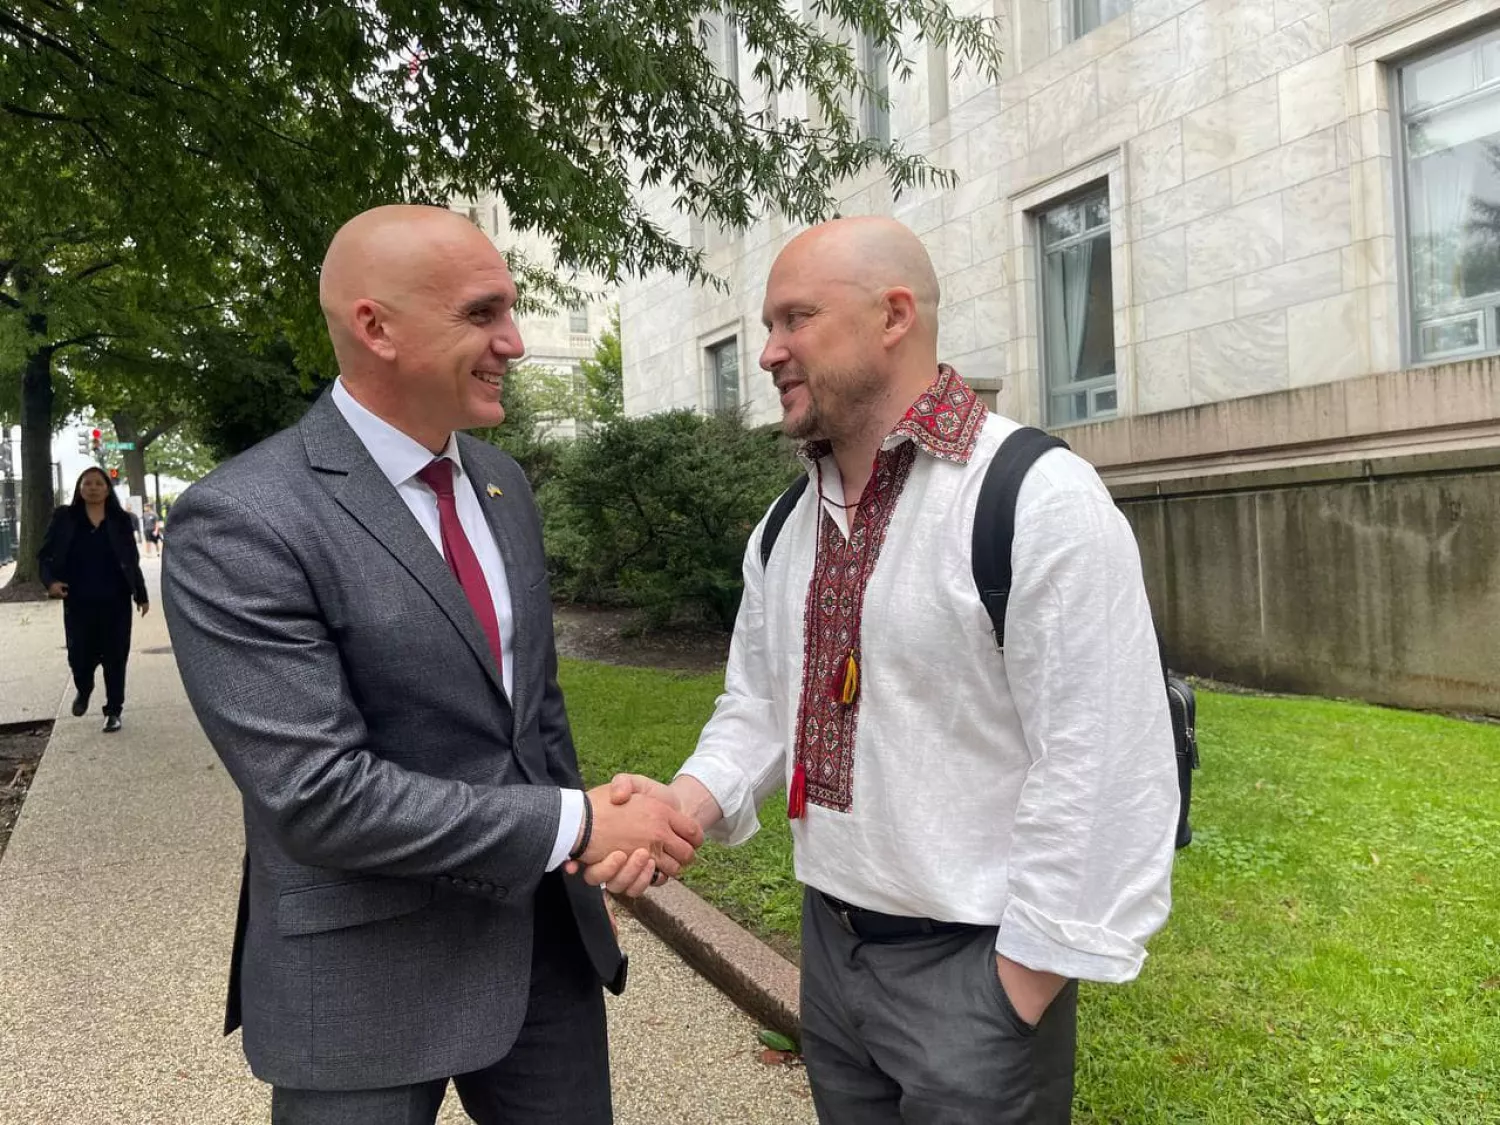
{"type": "Point", "coordinates": [759, 980]}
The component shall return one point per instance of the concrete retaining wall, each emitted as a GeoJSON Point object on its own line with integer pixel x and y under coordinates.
{"type": "Point", "coordinates": [1378, 581]}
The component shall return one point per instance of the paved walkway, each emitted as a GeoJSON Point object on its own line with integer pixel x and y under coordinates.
{"type": "Point", "coordinates": [117, 899]}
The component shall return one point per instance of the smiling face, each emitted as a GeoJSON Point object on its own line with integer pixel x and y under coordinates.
{"type": "Point", "coordinates": [420, 307]}
{"type": "Point", "coordinates": [455, 340]}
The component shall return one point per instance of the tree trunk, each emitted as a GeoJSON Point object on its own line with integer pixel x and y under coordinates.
{"type": "Point", "coordinates": [134, 460]}
{"type": "Point", "coordinates": [127, 429]}
{"type": "Point", "coordinates": [37, 496]}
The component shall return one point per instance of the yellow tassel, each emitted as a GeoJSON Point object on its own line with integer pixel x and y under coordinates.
{"type": "Point", "coordinates": [851, 680]}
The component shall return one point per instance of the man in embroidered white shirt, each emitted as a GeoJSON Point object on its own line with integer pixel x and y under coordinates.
{"type": "Point", "coordinates": [976, 831]}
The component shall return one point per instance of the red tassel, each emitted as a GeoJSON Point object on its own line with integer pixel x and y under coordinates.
{"type": "Point", "coordinates": [796, 796]}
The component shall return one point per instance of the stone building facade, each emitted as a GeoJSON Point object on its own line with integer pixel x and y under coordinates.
{"type": "Point", "coordinates": [556, 338]}
{"type": "Point", "coordinates": [1226, 248]}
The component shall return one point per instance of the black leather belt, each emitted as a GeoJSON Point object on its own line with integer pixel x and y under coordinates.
{"type": "Point", "coordinates": [872, 925]}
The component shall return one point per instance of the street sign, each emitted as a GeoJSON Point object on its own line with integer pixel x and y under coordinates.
{"type": "Point", "coordinates": [127, 445]}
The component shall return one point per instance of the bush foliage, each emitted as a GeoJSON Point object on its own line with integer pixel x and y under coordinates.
{"type": "Point", "coordinates": [655, 512]}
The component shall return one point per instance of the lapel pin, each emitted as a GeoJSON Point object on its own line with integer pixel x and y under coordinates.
{"type": "Point", "coordinates": [493, 490]}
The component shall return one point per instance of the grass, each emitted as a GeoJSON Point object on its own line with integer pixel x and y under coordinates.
{"type": "Point", "coordinates": [1333, 954]}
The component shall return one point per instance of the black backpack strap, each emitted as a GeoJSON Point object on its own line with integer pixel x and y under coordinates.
{"type": "Point", "coordinates": [779, 512]}
{"type": "Point", "coordinates": [995, 518]}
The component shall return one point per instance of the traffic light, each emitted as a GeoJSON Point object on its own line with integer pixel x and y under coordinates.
{"type": "Point", "coordinates": [98, 439]}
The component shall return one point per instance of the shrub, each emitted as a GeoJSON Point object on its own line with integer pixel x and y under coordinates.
{"type": "Point", "coordinates": [655, 511]}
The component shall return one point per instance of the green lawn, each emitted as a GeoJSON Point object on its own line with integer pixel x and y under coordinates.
{"type": "Point", "coordinates": [1334, 949]}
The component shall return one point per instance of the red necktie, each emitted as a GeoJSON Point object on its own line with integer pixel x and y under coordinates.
{"type": "Point", "coordinates": [464, 563]}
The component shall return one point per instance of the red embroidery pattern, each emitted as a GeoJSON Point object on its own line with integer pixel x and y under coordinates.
{"type": "Point", "coordinates": [944, 421]}
{"type": "Point", "coordinates": [946, 418]}
{"type": "Point", "coordinates": [831, 631]}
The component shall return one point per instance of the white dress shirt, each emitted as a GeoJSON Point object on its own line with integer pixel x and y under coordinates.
{"type": "Point", "coordinates": [1036, 790]}
{"type": "Point", "coordinates": [400, 457]}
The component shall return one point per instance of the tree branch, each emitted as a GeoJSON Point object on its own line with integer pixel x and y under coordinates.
{"type": "Point", "coordinates": [97, 267]}
{"type": "Point", "coordinates": [38, 115]}
{"type": "Point", "coordinates": [26, 31]}
{"type": "Point", "coordinates": [85, 338]}
{"type": "Point", "coordinates": [170, 423]}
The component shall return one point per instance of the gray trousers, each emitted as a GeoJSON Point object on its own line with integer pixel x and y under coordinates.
{"type": "Point", "coordinates": [920, 1032]}
{"type": "Point", "coordinates": [557, 1073]}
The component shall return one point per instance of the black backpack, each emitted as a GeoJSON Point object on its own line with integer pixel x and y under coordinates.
{"type": "Point", "coordinates": [994, 531]}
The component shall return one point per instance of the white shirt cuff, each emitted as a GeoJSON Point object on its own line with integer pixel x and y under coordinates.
{"type": "Point", "coordinates": [1081, 950]}
{"type": "Point", "coordinates": [567, 826]}
{"type": "Point", "coordinates": [732, 791]}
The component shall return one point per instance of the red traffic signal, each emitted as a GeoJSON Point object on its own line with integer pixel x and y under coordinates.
{"type": "Point", "coordinates": [114, 474]}
{"type": "Point", "coordinates": [97, 434]}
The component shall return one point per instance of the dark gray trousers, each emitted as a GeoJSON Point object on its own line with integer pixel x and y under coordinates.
{"type": "Point", "coordinates": [557, 1073]}
{"type": "Point", "coordinates": [920, 1032]}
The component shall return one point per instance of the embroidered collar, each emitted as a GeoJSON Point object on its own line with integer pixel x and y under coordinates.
{"type": "Point", "coordinates": [944, 422]}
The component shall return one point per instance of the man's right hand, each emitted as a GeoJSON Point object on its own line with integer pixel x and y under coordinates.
{"type": "Point", "coordinates": [630, 873]}
{"type": "Point", "coordinates": [58, 590]}
{"type": "Point", "coordinates": [641, 824]}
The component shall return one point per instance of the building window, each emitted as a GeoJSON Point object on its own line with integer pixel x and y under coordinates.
{"type": "Point", "coordinates": [721, 44]}
{"type": "Point", "coordinates": [724, 374]}
{"type": "Point", "coordinates": [473, 213]}
{"type": "Point", "coordinates": [1078, 310]}
{"type": "Point", "coordinates": [937, 83]}
{"type": "Point", "coordinates": [1450, 130]}
{"type": "Point", "coordinates": [875, 67]}
{"type": "Point", "coordinates": [578, 321]}
{"type": "Point", "coordinates": [1089, 14]}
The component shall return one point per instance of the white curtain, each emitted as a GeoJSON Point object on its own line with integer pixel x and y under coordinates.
{"type": "Point", "coordinates": [1442, 184]}
{"type": "Point", "coordinates": [1078, 272]}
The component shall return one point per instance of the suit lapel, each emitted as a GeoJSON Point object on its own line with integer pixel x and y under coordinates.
{"type": "Point", "coordinates": [371, 499]}
{"type": "Point", "coordinates": [524, 640]}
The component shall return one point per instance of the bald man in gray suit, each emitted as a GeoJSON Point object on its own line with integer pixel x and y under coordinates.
{"type": "Point", "coordinates": [360, 612]}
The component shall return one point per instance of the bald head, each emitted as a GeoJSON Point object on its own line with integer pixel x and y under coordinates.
{"type": "Point", "coordinates": [872, 252]}
{"type": "Point", "coordinates": [388, 255]}
{"type": "Point", "coordinates": [420, 306]}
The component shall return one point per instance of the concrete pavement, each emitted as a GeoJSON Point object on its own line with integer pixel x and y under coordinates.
{"type": "Point", "coordinates": [117, 899]}
{"type": "Point", "coordinates": [33, 659]}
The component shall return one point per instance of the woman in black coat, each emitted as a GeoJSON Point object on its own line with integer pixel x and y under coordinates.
{"type": "Point", "coordinates": [89, 558]}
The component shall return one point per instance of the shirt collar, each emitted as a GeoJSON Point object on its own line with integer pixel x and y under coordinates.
{"type": "Point", "coordinates": [399, 456]}
{"type": "Point", "coordinates": [944, 422]}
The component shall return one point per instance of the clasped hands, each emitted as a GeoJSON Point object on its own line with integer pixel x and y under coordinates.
{"type": "Point", "coordinates": [643, 834]}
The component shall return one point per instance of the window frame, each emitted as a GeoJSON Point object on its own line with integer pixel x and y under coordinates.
{"type": "Point", "coordinates": [1487, 313]}
{"type": "Point", "coordinates": [727, 344]}
{"type": "Point", "coordinates": [1037, 216]}
{"type": "Point", "coordinates": [875, 67]}
{"type": "Point", "coordinates": [1076, 30]}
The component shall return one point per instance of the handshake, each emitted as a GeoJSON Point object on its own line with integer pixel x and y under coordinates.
{"type": "Point", "coordinates": [643, 832]}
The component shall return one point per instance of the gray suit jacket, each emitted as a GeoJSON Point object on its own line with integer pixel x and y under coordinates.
{"type": "Point", "coordinates": [399, 809]}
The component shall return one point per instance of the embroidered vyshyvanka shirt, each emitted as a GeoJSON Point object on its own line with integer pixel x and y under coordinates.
{"type": "Point", "coordinates": [1036, 790]}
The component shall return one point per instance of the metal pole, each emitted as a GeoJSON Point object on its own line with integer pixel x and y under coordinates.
{"type": "Point", "coordinates": [157, 475]}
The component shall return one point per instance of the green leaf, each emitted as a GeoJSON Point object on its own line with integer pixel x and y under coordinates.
{"type": "Point", "coordinates": [777, 1041]}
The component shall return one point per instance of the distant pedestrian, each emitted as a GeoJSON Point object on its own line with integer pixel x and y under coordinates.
{"type": "Point", "coordinates": [89, 558]}
{"type": "Point", "coordinates": [151, 529]}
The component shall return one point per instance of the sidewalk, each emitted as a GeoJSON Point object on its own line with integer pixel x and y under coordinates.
{"type": "Point", "coordinates": [33, 659]}
{"type": "Point", "coordinates": [117, 899]}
